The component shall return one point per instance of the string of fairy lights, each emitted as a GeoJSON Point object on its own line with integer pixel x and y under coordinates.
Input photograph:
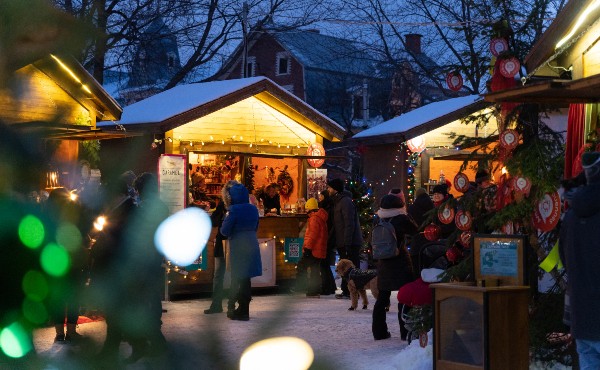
{"type": "Point", "coordinates": [233, 140]}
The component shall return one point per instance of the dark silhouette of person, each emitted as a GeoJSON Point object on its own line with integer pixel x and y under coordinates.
{"type": "Point", "coordinates": [216, 305]}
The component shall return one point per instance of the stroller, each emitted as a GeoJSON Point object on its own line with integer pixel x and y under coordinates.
{"type": "Point", "coordinates": [416, 299]}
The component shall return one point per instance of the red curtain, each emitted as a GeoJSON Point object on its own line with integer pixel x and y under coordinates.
{"type": "Point", "coordinates": [575, 140]}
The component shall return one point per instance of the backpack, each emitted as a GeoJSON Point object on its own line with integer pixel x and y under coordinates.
{"type": "Point", "coordinates": [383, 240]}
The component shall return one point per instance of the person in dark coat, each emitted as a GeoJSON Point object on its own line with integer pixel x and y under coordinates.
{"type": "Point", "coordinates": [421, 205]}
{"type": "Point", "coordinates": [346, 228]}
{"type": "Point", "coordinates": [239, 226]}
{"type": "Point", "coordinates": [216, 305]}
{"type": "Point", "coordinates": [271, 200]}
{"type": "Point", "coordinates": [392, 273]}
{"type": "Point", "coordinates": [327, 280]}
{"type": "Point", "coordinates": [580, 252]}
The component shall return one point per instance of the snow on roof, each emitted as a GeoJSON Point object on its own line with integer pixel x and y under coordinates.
{"type": "Point", "coordinates": [419, 116]}
{"type": "Point", "coordinates": [178, 100]}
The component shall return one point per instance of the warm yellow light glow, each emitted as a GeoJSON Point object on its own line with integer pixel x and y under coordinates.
{"type": "Point", "coordinates": [60, 63]}
{"type": "Point", "coordinates": [278, 353]}
{"type": "Point", "coordinates": [99, 223]}
{"type": "Point", "coordinates": [504, 171]}
{"type": "Point", "coordinates": [580, 20]}
{"type": "Point", "coordinates": [87, 89]}
{"type": "Point", "coordinates": [73, 196]}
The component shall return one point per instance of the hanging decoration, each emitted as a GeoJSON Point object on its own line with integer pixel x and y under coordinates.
{"type": "Point", "coordinates": [463, 220]}
{"type": "Point", "coordinates": [465, 239]}
{"type": "Point", "coordinates": [461, 182]}
{"type": "Point", "coordinates": [547, 212]}
{"type": "Point", "coordinates": [432, 232]}
{"type": "Point", "coordinates": [509, 139]}
{"type": "Point", "coordinates": [453, 254]}
{"type": "Point", "coordinates": [317, 150]}
{"type": "Point", "coordinates": [413, 161]}
{"type": "Point", "coordinates": [522, 185]}
{"type": "Point", "coordinates": [498, 45]}
{"type": "Point", "coordinates": [416, 144]}
{"type": "Point", "coordinates": [509, 67]}
{"type": "Point", "coordinates": [454, 81]}
{"type": "Point", "coordinates": [285, 182]}
{"type": "Point", "coordinates": [446, 214]}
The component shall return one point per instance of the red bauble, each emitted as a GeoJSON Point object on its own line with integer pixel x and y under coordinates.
{"type": "Point", "coordinates": [316, 150]}
{"type": "Point", "coordinates": [453, 254]}
{"type": "Point", "coordinates": [463, 220]}
{"type": "Point", "coordinates": [432, 232]}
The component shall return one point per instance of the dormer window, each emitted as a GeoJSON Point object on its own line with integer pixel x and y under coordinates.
{"type": "Point", "coordinates": [250, 67]}
{"type": "Point", "coordinates": [283, 64]}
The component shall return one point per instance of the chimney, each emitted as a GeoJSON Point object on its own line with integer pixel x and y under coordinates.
{"type": "Point", "coordinates": [413, 43]}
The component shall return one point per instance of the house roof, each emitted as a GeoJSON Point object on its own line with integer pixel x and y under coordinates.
{"type": "Point", "coordinates": [317, 51]}
{"type": "Point", "coordinates": [185, 103]}
{"type": "Point", "coordinates": [421, 120]}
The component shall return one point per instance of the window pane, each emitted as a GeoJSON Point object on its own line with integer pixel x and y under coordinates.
{"type": "Point", "coordinates": [283, 66]}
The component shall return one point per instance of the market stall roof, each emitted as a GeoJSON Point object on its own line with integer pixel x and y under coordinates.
{"type": "Point", "coordinates": [557, 92]}
{"type": "Point", "coordinates": [187, 103]}
{"type": "Point", "coordinates": [572, 23]}
{"type": "Point", "coordinates": [421, 120]}
{"type": "Point", "coordinates": [58, 131]}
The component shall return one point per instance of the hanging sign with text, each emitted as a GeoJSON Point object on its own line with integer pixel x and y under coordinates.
{"type": "Point", "coordinates": [172, 181]}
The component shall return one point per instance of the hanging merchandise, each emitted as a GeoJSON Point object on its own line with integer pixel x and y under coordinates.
{"type": "Point", "coordinates": [509, 67]}
{"type": "Point", "coordinates": [453, 254]}
{"type": "Point", "coordinates": [509, 139]}
{"type": "Point", "coordinates": [522, 185]}
{"type": "Point", "coordinates": [463, 220]}
{"type": "Point", "coordinates": [446, 214]}
{"type": "Point", "coordinates": [461, 182]}
{"type": "Point", "coordinates": [454, 81]}
{"type": "Point", "coordinates": [498, 46]}
{"type": "Point", "coordinates": [547, 212]}
{"type": "Point", "coordinates": [432, 232]}
{"type": "Point", "coordinates": [285, 182]}
{"type": "Point", "coordinates": [316, 150]}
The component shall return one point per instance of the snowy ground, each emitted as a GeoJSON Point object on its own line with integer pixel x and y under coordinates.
{"type": "Point", "coordinates": [341, 339]}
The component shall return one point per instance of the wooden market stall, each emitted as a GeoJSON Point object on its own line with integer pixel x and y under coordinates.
{"type": "Point", "coordinates": [57, 100]}
{"type": "Point", "coordinates": [249, 129]}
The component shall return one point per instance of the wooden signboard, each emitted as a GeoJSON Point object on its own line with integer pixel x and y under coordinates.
{"type": "Point", "coordinates": [499, 259]}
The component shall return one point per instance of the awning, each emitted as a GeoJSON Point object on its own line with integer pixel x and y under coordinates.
{"type": "Point", "coordinates": [54, 131]}
{"type": "Point", "coordinates": [556, 92]}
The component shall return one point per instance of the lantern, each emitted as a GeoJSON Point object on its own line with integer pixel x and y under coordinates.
{"type": "Point", "coordinates": [317, 150]}
{"type": "Point", "coordinates": [416, 144]}
{"type": "Point", "coordinates": [432, 232]}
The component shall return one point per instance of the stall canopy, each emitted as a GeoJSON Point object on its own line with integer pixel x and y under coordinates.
{"type": "Point", "coordinates": [561, 64]}
{"type": "Point", "coordinates": [422, 120]}
{"type": "Point", "coordinates": [251, 112]}
{"type": "Point", "coordinates": [58, 99]}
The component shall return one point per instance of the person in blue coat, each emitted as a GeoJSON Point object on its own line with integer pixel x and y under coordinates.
{"type": "Point", "coordinates": [239, 226]}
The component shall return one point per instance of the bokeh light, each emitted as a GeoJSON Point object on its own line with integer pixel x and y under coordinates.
{"type": "Point", "coordinates": [31, 231]}
{"type": "Point", "coordinates": [69, 236]}
{"type": "Point", "coordinates": [15, 341]}
{"type": "Point", "coordinates": [288, 353]}
{"type": "Point", "coordinates": [182, 236]}
{"type": "Point", "coordinates": [55, 260]}
{"type": "Point", "coordinates": [35, 285]}
{"type": "Point", "coordinates": [34, 311]}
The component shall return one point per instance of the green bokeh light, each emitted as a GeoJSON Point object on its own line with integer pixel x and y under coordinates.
{"type": "Point", "coordinates": [68, 235]}
{"type": "Point", "coordinates": [34, 311]}
{"type": "Point", "coordinates": [31, 231]}
{"type": "Point", "coordinates": [55, 260]}
{"type": "Point", "coordinates": [14, 341]}
{"type": "Point", "coordinates": [35, 285]}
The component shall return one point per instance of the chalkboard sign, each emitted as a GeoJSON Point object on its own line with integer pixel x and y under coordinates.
{"type": "Point", "coordinates": [501, 258]}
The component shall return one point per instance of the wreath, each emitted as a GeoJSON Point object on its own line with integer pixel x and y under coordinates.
{"type": "Point", "coordinates": [285, 182]}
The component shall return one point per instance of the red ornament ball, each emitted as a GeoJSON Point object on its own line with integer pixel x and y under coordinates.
{"type": "Point", "coordinates": [432, 232]}
{"type": "Point", "coordinates": [453, 254]}
{"type": "Point", "coordinates": [465, 239]}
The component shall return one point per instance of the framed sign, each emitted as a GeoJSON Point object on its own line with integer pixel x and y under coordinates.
{"type": "Point", "coordinates": [293, 249]}
{"type": "Point", "coordinates": [501, 258]}
{"type": "Point", "coordinates": [172, 181]}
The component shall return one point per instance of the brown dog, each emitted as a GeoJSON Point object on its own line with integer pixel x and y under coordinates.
{"type": "Point", "coordinates": [358, 281]}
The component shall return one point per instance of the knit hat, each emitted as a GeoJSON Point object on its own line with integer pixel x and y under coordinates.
{"type": "Point", "coordinates": [337, 185]}
{"type": "Point", "coordinates": [390, 201]}
{"type": "Point", "coordinates": [399, 193]}
{"type": "Point", "coordinates": [311, 204]}
{"type": "Point", "coordinates": [590, 162]}
{"type": "Point", "coordinates": [441, 189]}
{"type": "Point", "coordinates": [481, 176]}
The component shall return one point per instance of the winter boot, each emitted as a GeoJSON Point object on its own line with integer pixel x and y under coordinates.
{"type": "Point", "coordinates": [60, 333]}
{"type": "Point", "coordinates": [242, 312]}
{"type": "Point", "coordinates": [72, 334]}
